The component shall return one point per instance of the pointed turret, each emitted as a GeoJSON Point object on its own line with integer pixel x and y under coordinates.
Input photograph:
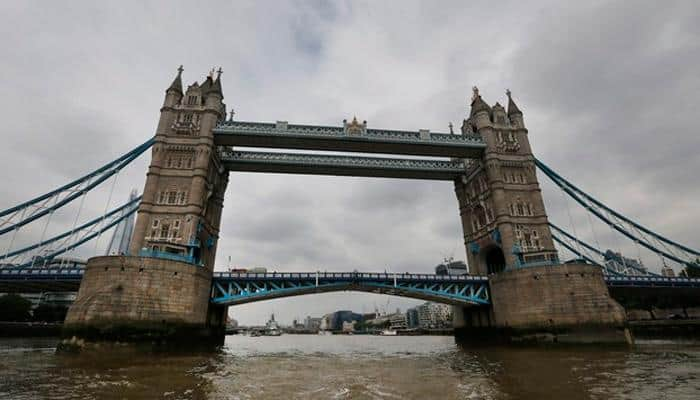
{"type": "Point", "coordinates": [177, 82]}
{"type": "Point", "coordinates": [173, 94]}
{"type": "Point", "coordinates": [480, 113]}
{"type": "Point", "coordinates": [512, 107]}
{"type": "Point", "coordinates": [478, 104]}
{"type": "Point", "coordinates": [514, 113]}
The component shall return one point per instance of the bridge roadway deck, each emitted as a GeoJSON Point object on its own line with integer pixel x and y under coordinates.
{"type": "Point", "coordinates": [329, 138]}
{"type": "Point", "coordinates": [632, 288]}
{"type": "Point", "coordinates": [314, 164]}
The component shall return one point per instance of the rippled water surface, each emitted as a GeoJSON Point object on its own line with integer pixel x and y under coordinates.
{"type": "Point", "coordinates": [353, 367]}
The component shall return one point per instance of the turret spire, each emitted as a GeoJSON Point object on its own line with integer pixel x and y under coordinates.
{"type": "Point", "coordinates": [512, 107]}
{"type": "Point", "coordinates": [478, 104]}
{"type": "Point", "coordinates": [177, 82]}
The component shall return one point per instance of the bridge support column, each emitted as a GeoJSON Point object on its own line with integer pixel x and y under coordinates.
{"type": "Point", "coordinates": [140, 299]}
{"type": "Point", "coordinates": [559, 303]}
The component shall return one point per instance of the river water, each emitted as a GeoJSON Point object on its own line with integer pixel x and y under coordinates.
{"type": "Point", "coordinates": [353, 367]}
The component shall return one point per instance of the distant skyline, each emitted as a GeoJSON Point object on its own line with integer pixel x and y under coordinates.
{"type": "Point", "coordinates": [609, 92]}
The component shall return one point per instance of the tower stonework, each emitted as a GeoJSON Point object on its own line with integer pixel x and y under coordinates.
{"type": "Point", "coordinates": [507, 236]}
{"type": "Point", "coordinates": [160, 290]}
{"type": "Point", "coordinates": [180, 214]}
{"type": "Point", "coordinates": [503, 217]}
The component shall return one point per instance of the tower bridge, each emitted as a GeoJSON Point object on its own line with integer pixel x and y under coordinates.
{"type": "Point", "coordinates": [165, 283]}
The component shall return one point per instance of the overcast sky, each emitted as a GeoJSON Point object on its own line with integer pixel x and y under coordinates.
{"type": "Point", "coordinates": [609, 91]}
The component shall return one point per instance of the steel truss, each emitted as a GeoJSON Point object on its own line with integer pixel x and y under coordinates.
{"type": "Point", "coordinates": [240, 288]}
{"type": "Point", "coordinates": [643, 236]}
{"type": "Point", "coordinates": [15, 217]}
{"type": "Point", "coordinates": [57, 245]}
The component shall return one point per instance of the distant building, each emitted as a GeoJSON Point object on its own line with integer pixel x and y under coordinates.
{"type": "Point", "coordinates": [434, 315]}
{"type": "Point", "coordinates": [412, 318]}
{"type": "Point", "coordinates": [334, 321]}
{"type": "Point", "coordinates": [397, 321]}
{"type": "Point", "coordinates": [619, 263]}
{"type": "Point", "coordinates": [348, 326]}
{"type": "Point", "coordinates": [312, 324]}
{"type": "Point", "coordinates": [451, 267]}
{"type": "Point", "coordinates": [667, 271]}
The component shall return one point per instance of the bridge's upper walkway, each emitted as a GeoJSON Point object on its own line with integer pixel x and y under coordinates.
{"type": "Point", "coordinates": [315, 164]}
{"type": "Point", "coordinates": [349, 138]}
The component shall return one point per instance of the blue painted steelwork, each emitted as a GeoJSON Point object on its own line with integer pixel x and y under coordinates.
{"type": "Point", "coordinates": [36, 208]}
{"type": "Point", "coordinates": [169, 256]}
{"type": "Point", "coordinates": [347, 139]}
{"type": "Point", "coordinates": [341, 165]}
{"type": "Point", "coordinates": [37, 280]}
{"type": "Point", "coordinates": [89, 235]}
{"type": "Point", "coordinates": [125, 210]}
{"type": "Point", "coordinates": [329, 132]}
{"type": "Point", "coordinates": [232, 288]}
{"type": "Point", "coordinates": [654, 242]}
{"type": "Point", "coordinates": [239, 288]}
{"type": "Point", "coordinates": [652, 282]}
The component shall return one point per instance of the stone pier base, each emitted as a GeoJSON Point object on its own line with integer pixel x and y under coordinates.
{"type": "Point", "coordinates": [138, 299]}
{"type": "Point", "coordinates": [557, 304]}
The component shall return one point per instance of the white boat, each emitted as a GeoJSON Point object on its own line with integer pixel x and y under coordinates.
{"type": "Point", "coordinates": [271, 328]}
{"type": "Point", "coordinates": [388, 332]}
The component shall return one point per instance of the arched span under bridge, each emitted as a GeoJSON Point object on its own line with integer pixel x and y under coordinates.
{"type": "Point", "coordinates": [239, 288]}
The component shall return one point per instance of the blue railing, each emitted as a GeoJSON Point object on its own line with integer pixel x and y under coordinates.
{"type": "Point", "coordinates": [168, 256]}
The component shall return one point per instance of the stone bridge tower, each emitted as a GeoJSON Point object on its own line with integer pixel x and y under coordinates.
{"type": "Point", "coordinates": [160, 290]}
{"type": "Point", "coordinates": [507, 236]}
{"type": "Point", "coordinates": [180, 214]}
{"type": "Point", "coordinates": [500, 202]}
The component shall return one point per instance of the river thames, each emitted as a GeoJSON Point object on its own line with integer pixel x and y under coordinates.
{"type": "Point", "coordinates": [353, 367]}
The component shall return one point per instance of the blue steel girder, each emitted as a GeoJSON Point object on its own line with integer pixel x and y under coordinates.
{"type": "Point", "coordinates": [282, 135]}
{"type": "Point", "coordinates": [340, 165]}
{"type": "Point", "coordinates": [241, 288]}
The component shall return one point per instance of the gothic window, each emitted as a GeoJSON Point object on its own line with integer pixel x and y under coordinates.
{"type": "Point", "coordinates": [164, 231]}
{"type": "Point", "coordinates": [176, 224]}
{"type": "Point", "coordinates": [179, 162]}
{"type": "Point", "coordinates": [161, 197]}
{"type": "Point", "coordinates": [529, 209]}
{"type": "Point", "coordinates": [535, 239]}
{"type": "Point", "coordinates": [480, 216]}
{"type": "Point", "coordinates": [505, 178]}
{"type": "Point", "coordinates": [155, 223]}
{"type": "Point", "coordinates": [489, 212]}
{"type": "Point", "coordinates": [153, 233]}
{"type": "Point", "coordinates": [188, 117]}
{"type": "Point", "coordinates": [522, 178]}
{"type": "Point", "coordinates": [501, 119]}
{"type": "Point", "coordinates": [196, 119]}
{"type": "Point", "coordinates": [182, 197]}
{"type": "Point", "coordinates": [520, 209]}
{"type": "Point", "coordinates": [192, 100]}
{"type": "Point", "coordinates": [188, 163]}
{"type": "Point", "coordinates": [169, 162]}
{"type": "Point", "coordinates": [172, 197]}
{"type": "Point", "coordinates": [512, 209]}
